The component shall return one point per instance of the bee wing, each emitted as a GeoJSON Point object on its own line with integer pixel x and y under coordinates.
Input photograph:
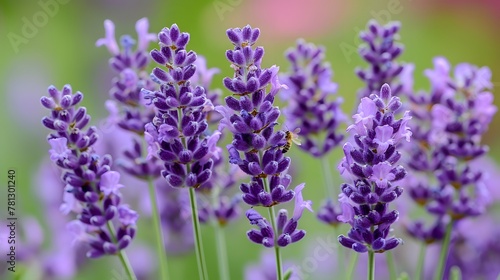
{"type": "Point", "coordinates": [296, 140]}
{"type": "Point", "coordinates": [295, 136]}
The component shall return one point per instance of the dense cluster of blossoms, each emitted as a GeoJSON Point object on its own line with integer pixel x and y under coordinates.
{"type": "Point", "coordinates": [173, 109]}
{"type": "Point", "coordinates": [381, 52]}
{"type": "Point", "coordinates": [451, 120]}
{"type": "Point", "coordinates": [251, 117]}
{"type": "Point", "coordinates": [132, 77]}
{"type": "Point", "coordinates": [309, 93]}
{"type": "Point", "coordinates": [176, 134]}
{"type": "Point", "coordinates": [128, 109]}
{"type": "Point", "coordinates": [312, 109]}
{"type": "Point", "coordinates": [92, 189]}
{"type": "Point", "coordinates": [371, 164]}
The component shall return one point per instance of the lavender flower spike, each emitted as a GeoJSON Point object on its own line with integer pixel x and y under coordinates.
{"type": "Point", "coordinates": [313, 110]}
{"type": "Point", "coordinates": [257, 148]}
{"type": "Point", "coordinates": [92, 188]}
{"type": "Point", "coordinates": [381, 52]}
{"type": "Point", "coordinates": [371, 163]}
{"type": "Point", "coordinates": [133, 113]}
{"type": "Point", "coordinates": [127, 108]}
{"type": "Point", "coordinates": [177, 134]}
{"type": "Point", "coordinates": [130, 111]}
{"type": "Point", "coordinates": [252, 119]}
{"type": "Point", "coordinates": [309, 94]}
{"type": "Point", "coordinates": [451, 120]}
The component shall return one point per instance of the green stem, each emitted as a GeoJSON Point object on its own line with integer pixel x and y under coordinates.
{"type": "Point", "coordinates": [279, 266]}
{"type": "Point", "coordinates": [371, 265]}
{"type": "Point", "coordinates": [220, 242]}
{"type": "Point", "coordinates": [272, 217]}
{"type": "Point", "coordinates": [160, 244]}
{"type": "Point", "coordinates": [126, 264]}
{"type": "Point", "coordinates": [121, 255]}
{"type": "Point", "coordinates": [420, 264]}
{"type": "Point", "coordinates": [162, 256]}
{"type": "Point", "coordinates": [391, 266]}
{"type": "Point", "coordinates": [200, 256]}
{"type": "Point", "coordinates": [221, 252]}
{"type": "Point", "coordinates": [352, 265]}
{"type": "Point", "coordinates": [444, 252]}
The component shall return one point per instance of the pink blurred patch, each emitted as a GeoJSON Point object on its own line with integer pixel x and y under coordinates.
{"type": "Point", "coordinates": [289, 19]}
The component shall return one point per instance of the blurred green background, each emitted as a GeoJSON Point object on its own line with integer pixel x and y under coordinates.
{"type": "Point", "coordinates": [62, 50]}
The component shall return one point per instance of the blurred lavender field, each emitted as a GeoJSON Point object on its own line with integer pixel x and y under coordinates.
{"type": "Point", "coordinates": [52, 42]}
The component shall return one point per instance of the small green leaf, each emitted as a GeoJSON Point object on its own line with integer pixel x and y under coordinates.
{"type": "Point", "coordinates": [403, 276]}
{"type": "Point", "coordinates": [287, 275]}
{"type": "Point", "coordinates": [455, 273]}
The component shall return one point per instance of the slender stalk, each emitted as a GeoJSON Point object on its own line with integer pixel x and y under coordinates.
{"type": "Point", "coordinates": [160, 243]}
{"type": "Point", "coordinates": [200, 256]}
{"type": "Point", "coordinates": [371, 265]}
{"type": "Point", "coordinates": [220, 244]}
{"type": "Point", "coordinates": [444, 252]}
{"type": "Point", "coordinates": [162, 256]}
{"type": "Point", "coordinates": [122, 255]}
{"type": "Point", "coordinates": [420, 264]}
{"type": "Point", "coordinates": [126, 264]}
{"type": "Point", "coordinates": [272, 217]}
{"type": "Point", "coordinates": [279, 265]}
{"type": "Point", "coordinates": [390, 264]}
{"type": "Point", "coordinates": [221, 252]}
{"type": "Point", "coordinates": [352, 265]}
